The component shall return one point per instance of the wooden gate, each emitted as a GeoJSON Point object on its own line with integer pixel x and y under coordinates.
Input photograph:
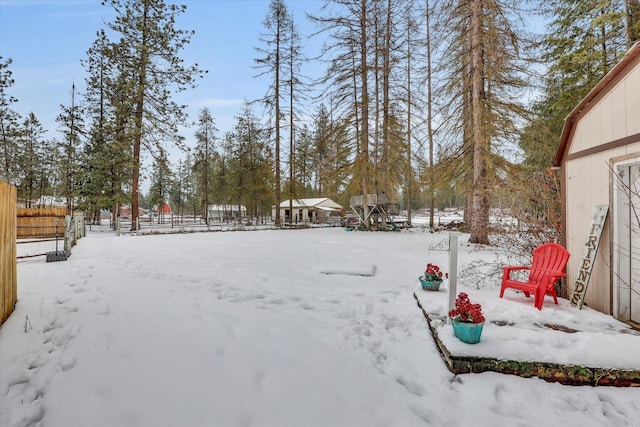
{"type": "Point", "coordinates": [8, 267]}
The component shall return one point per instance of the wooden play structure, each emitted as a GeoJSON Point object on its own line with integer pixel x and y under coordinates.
{"type": "Point", "coordinates": [374, 211]}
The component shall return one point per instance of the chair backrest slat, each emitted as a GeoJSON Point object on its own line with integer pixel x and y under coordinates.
{"type": "Point", "coordinates": [548, 258]}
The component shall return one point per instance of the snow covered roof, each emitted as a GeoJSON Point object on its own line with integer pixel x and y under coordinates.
{"type": "Point", "coordinates": [327, 208]}
{"type": "Point", "coordinates": [312, 203]}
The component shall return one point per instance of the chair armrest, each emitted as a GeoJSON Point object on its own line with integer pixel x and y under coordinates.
{"type": "Point", "coordinates": [507, 271]}
{"type": "Point", "coordinates": [550, 279]}
{"type": "Point", "coordinates": [556, 276]}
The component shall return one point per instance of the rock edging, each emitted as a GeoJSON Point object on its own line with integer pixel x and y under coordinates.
{"type": "Point", "coordinates": [551, 372]}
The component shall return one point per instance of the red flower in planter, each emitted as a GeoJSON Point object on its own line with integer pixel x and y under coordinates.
{"type": "Point", "coordinates": [432, 273]}
{"type": "Point", "coordinates": [465, 311]}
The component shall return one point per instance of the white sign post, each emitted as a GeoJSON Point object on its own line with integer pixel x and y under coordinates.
{"type": "Point", "coordinates": [453, 269]}
{"type": "Point", "coordinates": [589, 255]}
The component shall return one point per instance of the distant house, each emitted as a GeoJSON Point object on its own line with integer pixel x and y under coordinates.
{"type": "Point", "coordinates": [226, 212]}
{"type": "Point", "coordinates": [310, 211]}
{"type": "Point", "coordinates": [599, 158]}
{"type": "Point", "coordinates": [162, 208]}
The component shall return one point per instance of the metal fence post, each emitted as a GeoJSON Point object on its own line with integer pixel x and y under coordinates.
{"type": "Point", "coordinates": [67, 234]}
{"type": "Point", "coordinates": [74, 239]}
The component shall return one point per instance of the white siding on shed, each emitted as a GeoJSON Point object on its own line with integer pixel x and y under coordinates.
{"type": "Point", "coordinates": [603, 129]}
{"type": "Point", "coordinates": [612, 118]}
{"type": "Point", "coordinates": [633, 103]}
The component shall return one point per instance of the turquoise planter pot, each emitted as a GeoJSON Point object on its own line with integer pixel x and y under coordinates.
{"type": "Point", "coordinates": [467, 332]}
{"type": "Point", "coordinates": [428, 285]}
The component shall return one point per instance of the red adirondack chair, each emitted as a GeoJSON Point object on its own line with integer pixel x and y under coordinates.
{"type": "Point", "coordinates": [547, 266]}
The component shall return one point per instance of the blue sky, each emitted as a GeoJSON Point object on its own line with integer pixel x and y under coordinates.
{"type": "Point", "coordinates": [47, 38]}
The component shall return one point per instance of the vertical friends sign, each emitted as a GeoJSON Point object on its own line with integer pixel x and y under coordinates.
{"type": "Point", "coordinates": [589, 256]}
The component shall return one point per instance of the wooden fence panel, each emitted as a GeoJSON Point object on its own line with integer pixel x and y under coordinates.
{"type": "Point", "coordinates": [8, 266]}
{"type": "Point", "coordinates": [41, 212]}
{"type": "Point", "coordinates": [40, 222]}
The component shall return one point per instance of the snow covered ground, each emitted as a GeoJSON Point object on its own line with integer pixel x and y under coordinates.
{"type": "Point", "coordinates": [247, 329]}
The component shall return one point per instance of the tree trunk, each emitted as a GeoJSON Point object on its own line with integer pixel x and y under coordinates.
{"type": "Point", "coordinates": [277, 124]}
{"type": "Point", "coordinates": [386, 71]}
{"type": "Point", "coordinates": [364, 147]}
{"type": "Point", "coordinates": [409, 170]}
{"type": "Point", "coordinates": [480, 205]}
{"type": "Point", "coordinates": [432, 190]}
{"type": "Point", "coordinates": [633, 21]}
{"type": "Point", "coordinates": [291, 128]}
{"type": "Point", "coordinates": [137, 142]}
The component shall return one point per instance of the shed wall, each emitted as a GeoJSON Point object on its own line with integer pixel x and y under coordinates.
{"type": "Point", "coordinates": [615, 116]}
{"type": "Point", "coordinates": [588, 183]}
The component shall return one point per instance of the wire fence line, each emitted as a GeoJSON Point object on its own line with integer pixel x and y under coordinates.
{"type": "Point", "coordinates": [43, 234]}
{"type": "Point", "coordinates": [178, 224]}
{"type": "Point", "coordinates": [49, 237]}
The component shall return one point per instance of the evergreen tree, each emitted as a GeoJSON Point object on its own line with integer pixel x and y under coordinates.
{"type": "Point", "coordinates": [349, 27]}
{"type": "Point", "coordinates": [296, 90]}
{"type": "Point", "coordinates": [182, 189]}
{"type": "Point", "coordinates": [161, 178]}
{"type": "Point", "coordinates": [107, 156]}
{"type": "Point", "coordinates": [72, 127]}
{"type": "Point", "coordinates": [322, 139]}
{"type": "Point", "coordinates": [250, 165]}
{"type": "Point", "coordinates": [585, 39]}
{"type": "Point", "coordinates": [632, 12]}
{"type": "Point", "coordinates": [224, 166]}
{"type": "Point", "coordinates": [332, 155]}
{"type": "Point", "coordinates": [277, 37]}
{"type": "Point", "coordinates": [413, 43]}
{"type": "Point", "coordinates": [303, 163]}
{"type": "Point", "coordinates": [177, 191]}
{"type": "Point", "coordinates": [8, 124]}
{"type": "Point", "coordinates": [203, 163]}
{"type": "Point", "coordinates": [147, 51]}
{"type": "Point", "coordinates": [392, 68]}
{"type": "Point", "coordinates": [34, 161]}
{"type": "Point", "coordinates": [485, 82]}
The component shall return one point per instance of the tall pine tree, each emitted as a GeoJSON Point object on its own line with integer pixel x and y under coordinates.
{"type": "Point", "coordinates": [71, 124]}
{"type": "Point", "coordinates": [147, 52]}
{"type": "Point", "coordinates": [8, 124]}
{"type": "Point", "coordinates": [203, 163]}
{"type": "Point", "coordinates": [277, 37]}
